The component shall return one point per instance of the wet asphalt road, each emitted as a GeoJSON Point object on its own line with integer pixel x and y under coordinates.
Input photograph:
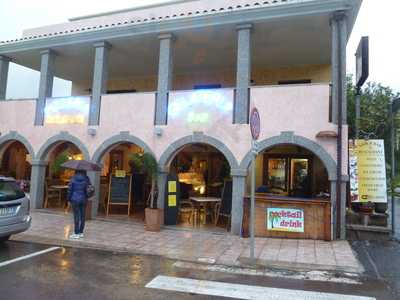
{"type": "Point", "coordinates": [72, 273]}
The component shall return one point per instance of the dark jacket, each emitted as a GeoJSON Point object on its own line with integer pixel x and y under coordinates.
{"type": "Point", "coordinates": [77, 190]}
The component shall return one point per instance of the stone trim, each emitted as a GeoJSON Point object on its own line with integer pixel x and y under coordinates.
{"type": "Point", "coordinates": [172, 149]}
{"type": "Point", "coordinates": [63, 136]}
{"type": "Point", "coordinates": [123, 136]}
{"type": "Point", "coordinates": [291, 138]}
{"type": "Point", "coordinates": [15, 136]}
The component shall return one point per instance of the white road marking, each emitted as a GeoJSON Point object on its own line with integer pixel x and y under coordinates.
{"type": "Point", "coordinates": [347, 278]}
{"type": "Point", "coordinates": [11, 261]}
{"type": "Point", "coordinates": [241, 291]}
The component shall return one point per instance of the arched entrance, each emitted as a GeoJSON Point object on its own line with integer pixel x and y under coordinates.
{"type": "Point", "coordinates": [121, 161]}
{"type": "Point", "coordinates": [50, 181]}
{"type": "Point", "coordinates": [201, 170]}
{"type": "Point", "coordinates": [16, 158]}
{"type": "Point", "coordinates": [295, 189]}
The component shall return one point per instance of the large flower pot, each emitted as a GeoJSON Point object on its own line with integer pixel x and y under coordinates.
{"type": "Point", "coordinates": [154, 219]}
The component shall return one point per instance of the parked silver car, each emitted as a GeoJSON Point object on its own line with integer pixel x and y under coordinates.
{"type": "Point", "coordinates": [14, 209]}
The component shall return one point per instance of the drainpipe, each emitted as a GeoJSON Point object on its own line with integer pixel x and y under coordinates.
{"type": "Point", "coordinates": [341, 38]}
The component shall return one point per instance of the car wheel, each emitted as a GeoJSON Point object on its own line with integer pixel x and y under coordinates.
{"type": "Point", "coordinates": [4, 238]}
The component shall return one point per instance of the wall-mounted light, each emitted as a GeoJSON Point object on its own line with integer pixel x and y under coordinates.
{"type": "Point", "coordinates": [158, 131]}
{"type": "Point", "coordinates": [92, 131]}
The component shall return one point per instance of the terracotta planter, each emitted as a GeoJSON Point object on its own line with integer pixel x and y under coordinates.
{"type": "Point", "coordinates": [154, 219]}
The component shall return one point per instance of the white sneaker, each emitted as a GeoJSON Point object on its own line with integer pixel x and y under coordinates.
{"type": "Point", "coordinates": [81, 235]}
{"type": "Point", "coordinates": [74, 236]}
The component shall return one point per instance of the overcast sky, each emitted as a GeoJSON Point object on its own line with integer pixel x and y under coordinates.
{"type": "Point", "coordinates": [378, 19]}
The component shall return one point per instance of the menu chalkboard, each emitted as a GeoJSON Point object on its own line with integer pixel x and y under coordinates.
{"type": "Point", "coordinates": [119, 189]}
{"type": "Point", "coordinates": [119, 192]}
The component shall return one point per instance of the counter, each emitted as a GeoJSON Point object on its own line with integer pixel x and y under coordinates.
{"type": "Point", "coordinates": [303, 218]}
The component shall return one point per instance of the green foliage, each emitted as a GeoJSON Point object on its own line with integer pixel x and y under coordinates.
{"type": "Point", "coordinates": [375, 122]}
{"type": "Point", "coordinates": [55, 166]}
{"type": "Point", "coordinates": [144, 163]}
{"type": "Point", "coordinates": [148, 164]}
{"type": "Point", "coordinates": [136, 162]}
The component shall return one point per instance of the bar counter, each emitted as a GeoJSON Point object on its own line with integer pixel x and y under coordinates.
{"type": "Point", "coordinates": [317, 216]}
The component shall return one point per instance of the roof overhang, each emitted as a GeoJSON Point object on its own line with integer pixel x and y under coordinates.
{"type": "Point", "coordinates": [261, 14]}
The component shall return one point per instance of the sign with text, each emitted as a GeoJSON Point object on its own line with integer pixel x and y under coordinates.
{"type": "Point", "coordinates": [285, 219]}
{"type": "Point", "coordinates": [68, 110]}
{"type": "Point", "coordinates": [200, 110]}
{"type": "Point", "coordinates": [367, 171]}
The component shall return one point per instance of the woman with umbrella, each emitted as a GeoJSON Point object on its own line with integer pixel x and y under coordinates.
{"type": "Point", "coordinates": [79, 190]}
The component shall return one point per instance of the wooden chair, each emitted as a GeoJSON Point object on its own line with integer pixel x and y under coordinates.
{"type": "Point", "coordinates": [51, 193]}
{"type": "Point", "coordinates": [104, 195]}
{"type": "Point", "coordinates": [224, 208]}
{"type": "Point", "coordinates": [187, 207]}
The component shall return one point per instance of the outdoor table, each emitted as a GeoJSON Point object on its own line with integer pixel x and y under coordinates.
{"type": "Point", "coordinates": [204, 201]}
{"type": "Point", "coordinates": [60, 189]}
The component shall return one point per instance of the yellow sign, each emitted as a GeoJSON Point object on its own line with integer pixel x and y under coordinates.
{"type": "Point", "coordinates": [171, 200]}
{"type": "Point", "coordinates": [171, 186]}
{"type": "Point", "coordinates": [120, 173]}
{"type": "Point", "coordinates": [367, 171]}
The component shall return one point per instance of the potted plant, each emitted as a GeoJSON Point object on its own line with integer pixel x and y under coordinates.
{"type": "Point", "coordinates": [55, 166]}
{"type": "Point", "coordinates": [154, 217]}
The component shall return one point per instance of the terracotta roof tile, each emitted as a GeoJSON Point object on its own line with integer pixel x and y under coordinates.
{"type": "Point", "coordinates": [124, 23]}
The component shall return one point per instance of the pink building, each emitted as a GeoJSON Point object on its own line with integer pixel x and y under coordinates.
{"type": "Point", "coordinates": [178, 81]}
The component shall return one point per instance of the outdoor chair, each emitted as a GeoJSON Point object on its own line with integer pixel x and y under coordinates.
{"type": "Point", "coordinates": [51, 193]}
{"type": "Point", "coordinates": [223, 209]}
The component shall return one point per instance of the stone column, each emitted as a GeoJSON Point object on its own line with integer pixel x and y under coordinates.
{"type": "Point", "coordinates": [99, 84]}
{"type": "Point", "coordinates": [243, 74]}
{"type": "Point", "coordinates": [238, 191]}
{"type": "Point", "coordinates": [165, 71]}
{"type": "Point", "coordinates": [45, 84]}
{"type": "Point", "coordinates": [4, 63]}
{"type": "Point", "coordinates": [95, 181]}
{"type": "Point", "coordinates": [38, 175]}
{"type": "Point", "coordinates": [161, 184]}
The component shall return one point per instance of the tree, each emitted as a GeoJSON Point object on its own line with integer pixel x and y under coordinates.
{"type": "Point", "coordinates": [374, 117]}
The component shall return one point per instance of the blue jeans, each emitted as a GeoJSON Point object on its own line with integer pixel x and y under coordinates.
{"type": "Point", "coordinates": [79, 210]}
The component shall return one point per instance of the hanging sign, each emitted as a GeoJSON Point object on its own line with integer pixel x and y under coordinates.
{"type": "Point", "coordinates": [367, 171]}
{"type": "Point", "coordinates": [285, 219]}
{"type": "Point", "coordinates": [362, 62]}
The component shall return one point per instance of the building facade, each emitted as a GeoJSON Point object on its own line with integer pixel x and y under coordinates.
{"type": "Point", "coordinates": [184, 73]}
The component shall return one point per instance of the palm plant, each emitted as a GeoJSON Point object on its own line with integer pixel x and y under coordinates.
{"type": "Point", "coordinates": [146, 163]}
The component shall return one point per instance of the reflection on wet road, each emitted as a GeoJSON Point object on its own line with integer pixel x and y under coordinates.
{"type": "Point", "coordinates": [71, 273]}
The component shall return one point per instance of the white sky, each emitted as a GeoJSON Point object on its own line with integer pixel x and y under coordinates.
{"type": "Point", "coordinates": [378, 19]}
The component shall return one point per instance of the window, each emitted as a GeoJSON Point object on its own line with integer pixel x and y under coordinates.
{"type": "Point", "coordinates": [288, 175]}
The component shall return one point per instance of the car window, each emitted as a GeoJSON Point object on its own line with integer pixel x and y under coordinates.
{"type": "Point", "coordinates": [9, 191]}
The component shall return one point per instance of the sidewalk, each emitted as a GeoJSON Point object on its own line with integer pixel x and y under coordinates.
{"type": "Point", "coordinates": [193, 246]}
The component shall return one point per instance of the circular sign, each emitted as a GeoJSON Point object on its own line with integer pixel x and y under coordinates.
{"type": "Point", "coordinates": [255, 123]}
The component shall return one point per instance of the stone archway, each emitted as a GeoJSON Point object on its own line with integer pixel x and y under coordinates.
{"type": "Point", "coordinates": [122, 137]}
{"type": "Point", "coordinates": [39, 164]}
{"type": "Point", "coordinates": [63, 136]}
{"type": "Point", "coordinates": [15, 136]}
{"type": "Point", "coordinates": [289, 138]}
{"type": "Point", "coordinates": [200, 138]}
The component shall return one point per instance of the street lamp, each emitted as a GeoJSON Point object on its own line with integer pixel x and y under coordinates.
{"type": "Point", "coordinates": [394, 108]}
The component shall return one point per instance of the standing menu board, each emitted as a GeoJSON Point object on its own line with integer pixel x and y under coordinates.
{"type": "Point", "coordinates": [367, 171]}
{"type": "Point", "coordinates": [119, 192]}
